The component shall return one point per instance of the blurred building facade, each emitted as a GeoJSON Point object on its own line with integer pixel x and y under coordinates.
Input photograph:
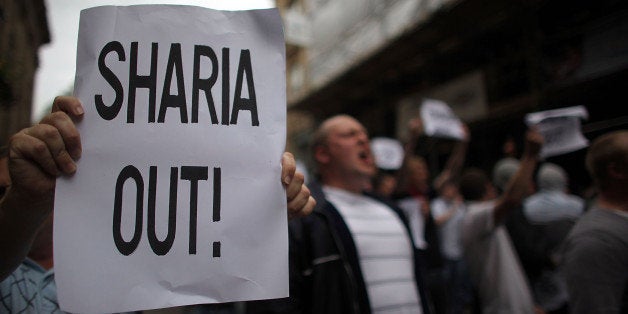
{"type": "Point", "coordinates": [492, 61]}
{"type": "Point", "coordinates": [23, 29]}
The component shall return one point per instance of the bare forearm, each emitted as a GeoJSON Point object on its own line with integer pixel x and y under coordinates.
{"type": "Point", "coordinates": [517, 188]}
{"type": "Point", "coordinates": [444, 218]}
{"type": "Point", "coordinates": [519, 184]}
{"type": "Point", "coordinates": [456, 160]}
{"type": "Point", "coordinates": [454, 164]}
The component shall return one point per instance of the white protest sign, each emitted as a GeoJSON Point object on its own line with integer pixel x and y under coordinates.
{"type": "Point", "coordinates": [178, 198]}
{"type": "Point", "coordinates": [388, 153]}
{"type": "Point", "coordinates": [560, 129]}
{"type": "Point", "coordinates": [440, 121]}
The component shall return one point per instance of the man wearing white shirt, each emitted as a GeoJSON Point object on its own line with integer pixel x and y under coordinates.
{"type": "Point", "coordinates": [448, 210]}
{"type": "Point", "coordinates": [552, 202]}
{"type": "Point", "coordinates": [355, 253]}
{"type": "Point", "coordinates": [551, 212]}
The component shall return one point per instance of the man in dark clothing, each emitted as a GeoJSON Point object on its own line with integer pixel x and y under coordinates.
{"type": "Point", "coordinates": [596, 251]}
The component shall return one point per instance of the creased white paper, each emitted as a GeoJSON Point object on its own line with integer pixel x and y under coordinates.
{"type": "Point", "coordinates": [177, 199]}
{"type": "Point", "coordinates": [440, 121]}
{"type": "Point", "coordinates": [388, 153]}
{"type": "Point", "coordinates": [561, 129]}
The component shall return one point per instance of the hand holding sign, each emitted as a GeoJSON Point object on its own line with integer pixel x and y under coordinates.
{"type": "Point", "coordinates": [44, 151]}
{"type": "Point", "coordinates": [300, 203]}
{"type": "Point", "coordinates": [415, 128]}
{"type": "Point", "coordinates": [37, 155]}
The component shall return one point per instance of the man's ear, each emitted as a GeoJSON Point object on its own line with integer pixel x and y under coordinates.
{"type": "Point", "coordinates": [617, 171]}
{"type": "Point", "coordinates": [321, 154]}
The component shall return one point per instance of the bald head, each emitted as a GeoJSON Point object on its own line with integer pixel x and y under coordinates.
{"type": "Point", "coordinates": [342, 152]}
{"type": "Point", "coordinates": [322, 132]}
{"type": "Point", "coordinates": [551, 177]}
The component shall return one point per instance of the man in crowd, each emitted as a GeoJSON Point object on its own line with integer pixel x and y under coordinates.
{"type": "Point", "coordinates": [37, 156]}
{"type": "Point", "coordinates": [448, 210]}
{"type": "Point", "coordinates": [492, 261]}
{"type": "Point", "coordinates": [550, 213]}
{"type": "Point", "coordinates": [596, 250]}
{"type": "Point", "coordinates": [414, 193]}
{"type": "Point", "coordinates": [354, 254]}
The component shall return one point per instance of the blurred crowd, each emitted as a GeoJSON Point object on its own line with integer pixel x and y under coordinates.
{"type": "Point", "coordinates": [515, 239]}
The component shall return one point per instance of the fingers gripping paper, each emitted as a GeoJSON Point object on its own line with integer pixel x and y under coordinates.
{"type": "Point", "coordinates": [177, 199]}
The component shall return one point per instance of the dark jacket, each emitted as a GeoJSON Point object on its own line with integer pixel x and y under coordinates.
{"type": "Point", "coordinates": [325, 274]}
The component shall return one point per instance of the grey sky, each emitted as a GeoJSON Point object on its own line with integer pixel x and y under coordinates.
{"type": "Point", "coordinates": [57, 59]}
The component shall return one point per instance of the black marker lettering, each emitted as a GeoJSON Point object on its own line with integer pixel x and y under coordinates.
{"type": "Point", "coordinates": [140, 81]}
{"type": "Point", "coordinates": [162, 247]}
{"type": "Point", "coordinates": [205, 85]}
{"type": "Point", "coordinates": [217, 196]}
{"type": "Point", "coordinates": [167, 100]}
{"type": "Point", "coordinates": [216, 249]}
{"type": "Point", "coordinates": [239, 103]}
{"type": "Point", "coordinates": [225, 86]}
{"type": "Point", "coordinates": [129, 172]}
{"type": "Point", "coordinates": [193, 174]}
{"type": "Point", "coordinates": [110, 112]}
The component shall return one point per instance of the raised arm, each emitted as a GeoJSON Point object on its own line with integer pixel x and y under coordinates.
{"type": "Point", "coordinates": [456, 160]}
{"type": "Point", "coordinates": [415, 130]}
{"type": "Point", "coordinates": [519, 184]}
